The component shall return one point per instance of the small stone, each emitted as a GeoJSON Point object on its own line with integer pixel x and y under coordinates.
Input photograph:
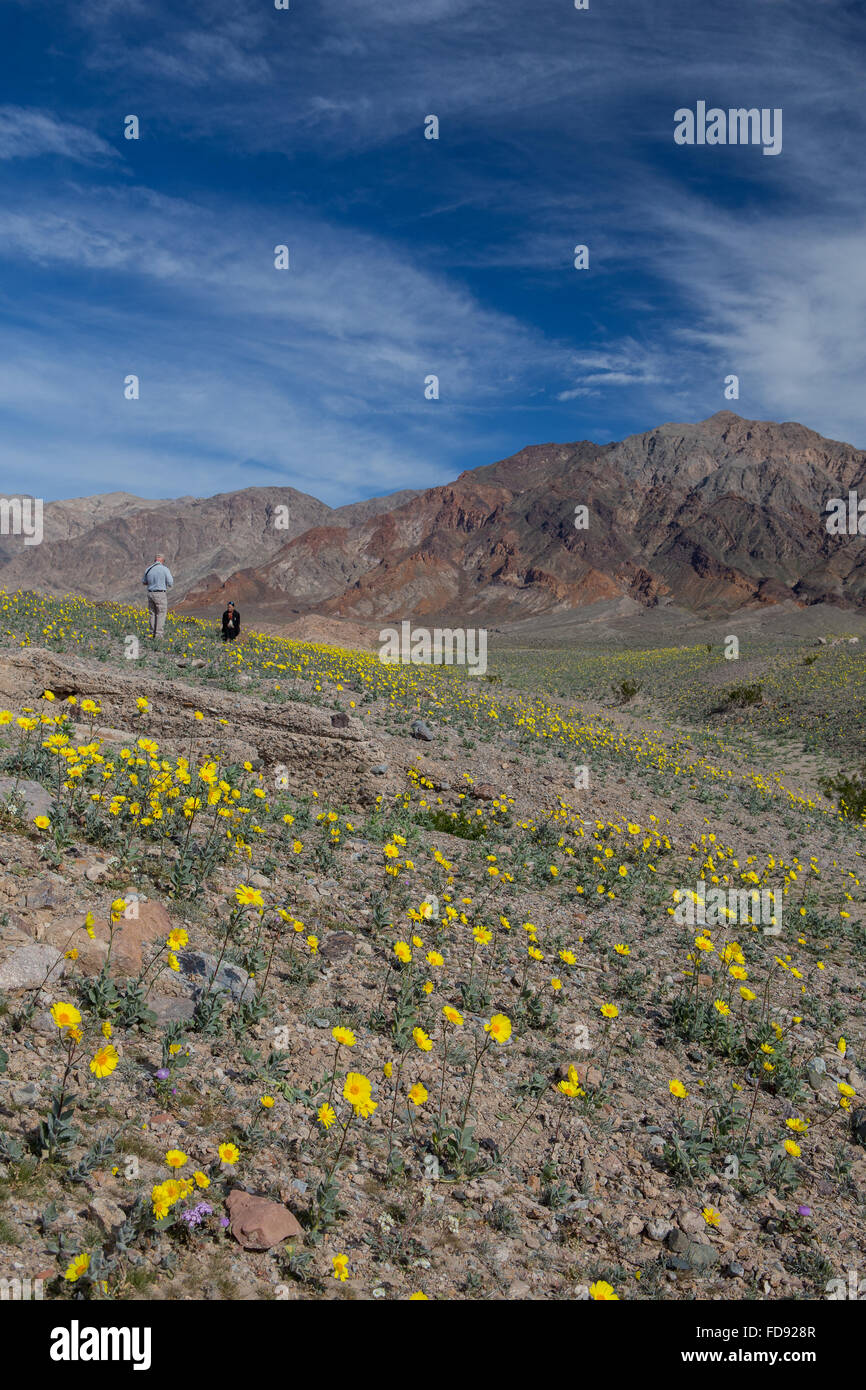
{"type": "Point", "coordinates": [258, 880]}
{"type": "Point", "coordinates": [27, 966]}
{"type": "Point", "coordinates": [32, 799]}
{"type": "Point", "coordinates": [658, 1230]}
{"type": "Point", "coordinates": [339, 721]}
{"type": "Point", "coordinates": [735, 1269]}
{"type": "Point", "coordinates": [258, 1224]}
{"type": "Point", "coordinates": [420, 729]}
{"type": "Point", "coordinates": [338, 945]}
{"type": "Point", "coordinates": [379, 770]}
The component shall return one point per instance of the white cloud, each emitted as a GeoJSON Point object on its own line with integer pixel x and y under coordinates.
{"type": "Point", "coordinates": [26, 133]}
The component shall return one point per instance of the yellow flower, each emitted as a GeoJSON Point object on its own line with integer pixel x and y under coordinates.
{"type": "Point", "coordinates": [453, 1016]}
{"type": "Point", "coordinates": [177, 938]}
{"type": "Point", "coordinates": [556, 984]}
{"type": "Point", "coordinates": [175, 1158]}
{"type": "Point", "coordinates": [721, 1007]}
{"type": "Point", "coordinates": [248, 897]}
{"type": "Point", "coordinates": [341, 1267]}
{"type": "Point", "coordinates": [267, 1102]}
{"type": "Point", "coordinates": [344, 1036]}
{"type": "Point", "coordinates": [792, 1148]}
{"type": "Point", "coordinates": [421, 1040]}
{"type": "Point", "coordinates": [79, 1266]}
{"type": "Point", "coordinates": [418, 1297]}
{"type": "Point", "coordinates": [418, 1094]}
{"type": "Point", "coordinates": [711, 1216]}
{"type": "Point", "coordinates": [610, 1010]}
{"type": "Point", "coordinates": [677, 1089]}
{"type": "Point", "coordinates": [106, 1029]}
{"type": "Point", "coordinates": [229, 1153]}
{"type": "Point", "coordinates": [201, 1179]}
{"type": "Point", "coordinates": [41, 822]}
{"type": "Point", "coordinates": [499, 1028]}
{"type": "Point", "coordinates": [388, 1069]}
{"type": "Point", "coordinates": [105, 1061]}
{"type": "Point", "coordinates": [65, 1015]}
{"type": "Point", "coordinates": [326, 1116]}
{"type": "Point", "coordinates": [403, 951]}
{"type": "Point", "coordinates": [357, 1091]}
{"type": "Point", "coordinates": [602, 1292]}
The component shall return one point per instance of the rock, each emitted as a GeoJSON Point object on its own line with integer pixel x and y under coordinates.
{"type": "Point", "coordinates": [50, 893]}
{"type": "Point", "coordinates": [734, 1269]}
{"type": "Point", "coordinates": [258, 1224]}
{"type": "Point", "coordinates": [95, 873]}
{"type": "Point", "coordinates": [24, 963]}
{"type": "Point", "coordinates": [816, 1070]}
{"type": "Point", "coordinates": [379, 770]}
{"type": "Point", "coordinates": [696, 1254]}
{"type": "Point", "coordinates": [702, 1256]}
{"type": "Point", "coordinates": [483, 791]}
{"type": "Point", "coordinates": [135, 938]}
{"type": "Point", "coordinates": [32, 798]}
{"type": "Point", "coordinates": [199, 966]}
{"type": "Point", "coordinates": [107, 1214]}
{"type": "Point", "coordinates": [858, 1125]}
{"type": "Point", "coordinates": [658, 1230]}
{"type": "Point", "coordinates": [421, 730]}
{"type": "Point", "coordinates": [171, 1008]}
{"type": "Point", "coordinates": [338, 945]}
{"type": "Point", "coordinates": [28, 1094]}
{"type": "Point", "coordinates": [258, 880]}
{"type": "Point", "coordinates": [340, 721]}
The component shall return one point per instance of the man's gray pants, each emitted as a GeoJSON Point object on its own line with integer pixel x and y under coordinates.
{"type": "Point", "coordinates": [157, 604]}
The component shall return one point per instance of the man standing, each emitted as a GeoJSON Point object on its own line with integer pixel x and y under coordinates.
{"type": "Point", "coordinates": [158, 579]}
{"type": "Point", "coordinates": [231, 623]}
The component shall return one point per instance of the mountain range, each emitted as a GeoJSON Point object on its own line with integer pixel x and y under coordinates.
{"type": "Point", "coordinates": [709, 517]}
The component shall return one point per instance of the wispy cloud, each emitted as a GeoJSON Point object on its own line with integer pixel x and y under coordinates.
{"type": "Point", "coordinates": [27, 133]}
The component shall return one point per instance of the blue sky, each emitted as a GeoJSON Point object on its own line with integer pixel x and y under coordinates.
{"type": "Point", "coordinates": [412, 257]}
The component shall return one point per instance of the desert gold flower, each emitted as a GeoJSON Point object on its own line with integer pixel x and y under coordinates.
{"type": "Point", "coordinates": [65, 1015]}
{"type": "Point", "coordinates": [105, 1061]}
{"type": "Point", "coordinates": [602, 1292]}
{"type": "Point", "coordinates": [79, 1266]}
{"type": "Point", "coordinates": [499, 1028]}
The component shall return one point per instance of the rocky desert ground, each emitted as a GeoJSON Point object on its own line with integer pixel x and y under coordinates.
{"type": "Point", "coordinates": [324, 979]}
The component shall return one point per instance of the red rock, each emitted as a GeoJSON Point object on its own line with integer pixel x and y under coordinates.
{"type": "Point", "coordinates": [257, 1223]}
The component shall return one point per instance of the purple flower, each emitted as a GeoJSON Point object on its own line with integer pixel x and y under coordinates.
{"type": "Point", "coordinates": [196, 1215]}
{"type": "Point", "coordinates": [163, 1074]}
{"type": "Point", "coordinates": [224, 1221]}
{"type": "Point", "coordinates": [804, 1211]}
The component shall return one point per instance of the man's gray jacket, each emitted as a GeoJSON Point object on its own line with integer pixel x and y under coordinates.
{"type": "Point", "coordinates": [158, 578]}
